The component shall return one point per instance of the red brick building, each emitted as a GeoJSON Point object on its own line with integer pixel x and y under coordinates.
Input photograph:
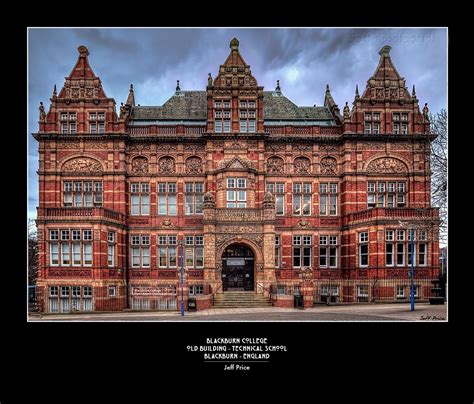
{"type": "Point", "coordinates": [257, 194]}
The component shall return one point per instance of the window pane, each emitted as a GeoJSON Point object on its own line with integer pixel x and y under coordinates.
{"type": "Point", "coordinates": [172, 204]}
{"type": "Point", "coordinates": [189, 204]}
{"type": "Point", "coordinates": [162, 204]}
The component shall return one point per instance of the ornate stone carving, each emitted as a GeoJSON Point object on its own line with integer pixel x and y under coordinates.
{"type": "Point", "coordinates": [68, 145]}
{"type": "Point", "coordinates": [386, 165]}
{"type": "Point", "coordinates": [193, 147]}
{"type": "Point", "coordinates": [329, 148]}
{"type": "Point", "coordinates": [166, 165]}
{"type": "Point", "coordinates": [236, 162]}
{"type": "Point", "coordinates": [275, 147]}
{"type": "Point", "coordinates": [301, 165]}
{"type": "Point", "coordinates": [269, 201]}
{"type": "Point", "coordinates": [42, 114]}
{"type": "Point", "coordinates": [275, 165]}
{"type": "Point", "coordinates": [166, 223]}
{"type": "Point", "coordinates": [140, 165]}
{"type": "Point", "coordinates": [166, 147]}
{"type": "Point", "coordinates": [95, 145]}
{"type": "Point", "coordinates": [209, 202]}
{"type": "Point", "coordinates": [259, 267]}
{"type": "Point", "coordinates": [193, 165]}
{"type": "Point", "coordinates": [347, 112]}
{"type": "Point", "coordinates": [139, 147]}
{"type": "Point", "coordinates": [303, 223]}
{"type": "Point", "coordinates": [328, 165]}
{"type": "Point", "coordinates": [370, 146]}
{"type": "Point", "coordinates": [83, 165]}
{"type": "Point", "coordinates": [303, 148]}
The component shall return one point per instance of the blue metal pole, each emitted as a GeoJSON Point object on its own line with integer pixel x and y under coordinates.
{"type": "Point", "coordinates": [412, 293]}
{"type": "Point", "coordinates": [182, 275]}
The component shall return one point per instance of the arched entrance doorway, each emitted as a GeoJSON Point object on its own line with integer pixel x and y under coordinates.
{"type": "Point", "coordinates": [237, 268]}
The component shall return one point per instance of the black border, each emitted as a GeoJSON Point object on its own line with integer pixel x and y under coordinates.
{"type": "Point", "coordinates": [357, 360]}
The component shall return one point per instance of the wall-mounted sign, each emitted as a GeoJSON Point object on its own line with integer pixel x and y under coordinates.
{"type": "Point", "coordinates": [143, 291]}
{"type": "Point", "coordinates": [235, 261]}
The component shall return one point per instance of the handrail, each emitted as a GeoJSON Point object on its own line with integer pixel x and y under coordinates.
{"type": "Point", "coordinates": [213, 293]}
{"type": "Point", "coordinates": [264, 288]}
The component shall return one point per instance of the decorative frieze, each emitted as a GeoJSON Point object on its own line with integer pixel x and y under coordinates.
{"type": "Point", "coordinates": [328, 165]}
{"type": "Point", "coordinates": [83, 165]}
{"type": "Point", "coordinates": [140, 165]}
{"type": "Point", "coordinates": [386, 165]}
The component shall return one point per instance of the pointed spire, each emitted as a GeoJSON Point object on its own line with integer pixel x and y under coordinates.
{"type": "Point", "coordinates": [131, 97]}
{"type": "Point", "coordinates": [357, 96]}
{"type": "Point", "coordinates": [277, 91]}
{"type": "Point", "coordinates": [82, 68]}
{"type": "Point", "coordinates": [413, 93]}
{"type": "Point", "coordinates": [328, 100]}
{"type": "Point", "coordinates": [55, 93]}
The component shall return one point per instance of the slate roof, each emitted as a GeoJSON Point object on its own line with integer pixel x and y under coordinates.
{"type": "Point", "coordinates": [192, 105]}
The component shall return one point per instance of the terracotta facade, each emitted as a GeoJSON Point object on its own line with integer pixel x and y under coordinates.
{"type": "Point", "coordinates": [263, 166]}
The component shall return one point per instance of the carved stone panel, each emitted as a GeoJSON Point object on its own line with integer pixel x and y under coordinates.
{"type": "Point", "coordinates": [140, 165]}
{"type": "Point", "coordinates": [386, 165]}
{"type": "Point", "coordinates": [302, 165]}
{"type": "Point", "coordinates": [167, 165]}
{"type": "Point", "coordinates": [82, 165]}
{"type": "Point", "coordinates": [193, 165]}
{"type": "Point", "coordinates": [328, 165]}
{"type": "Point", "coordinates": [275, 165]}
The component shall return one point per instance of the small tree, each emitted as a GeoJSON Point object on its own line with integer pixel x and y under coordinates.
{"type": "Point", "coordinates": [32, 252]}
{"type": "Point", "coordinates": [439, 168]}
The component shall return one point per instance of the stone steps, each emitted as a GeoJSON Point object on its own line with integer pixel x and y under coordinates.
{"type": "Point", "coordinates": [240, 299]}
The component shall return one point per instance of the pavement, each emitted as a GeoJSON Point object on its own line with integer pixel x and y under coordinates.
{"type": "Point", "coordinates": [356, 312]}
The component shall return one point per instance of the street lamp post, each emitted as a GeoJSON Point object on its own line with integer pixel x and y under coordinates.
{"type": "Point", "coordinates": [412, 272]}
{"type": "Point", "coordinates": [182, 275]}
{"type": "Point", "coordinates": [412, 263]}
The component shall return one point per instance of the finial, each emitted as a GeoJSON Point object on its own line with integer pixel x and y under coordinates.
{"type": "Point", "coordinates": [327, 88]}
{"type": "Point", "coordinates": [357, 91]}
{"type": "Point", "coordinates": [177, 86]}
{"type": "Point", "coordinates": [55, 94]}
{"type": "Point", "coordinates": [131, 87]}
{"type": "Point", "coordinates": [209, 80]}
{"type": "Point", "coordinates": [413, 93]}
{"type": "Point", "coordinates": [83, 52]}
{"type": "Point", "coordinates": [234, 44]}
{"type": "Point", "coordinates": [385, 51]}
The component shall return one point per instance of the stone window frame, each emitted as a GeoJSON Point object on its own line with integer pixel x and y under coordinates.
{"type": "Point", "coordinates": [303, 194]}
{"type": "Point", "coordinates": [140, 242]}
{"type": "Point", "coordinates": [66, 242]}
{"type": "Point", "coordinates": [195, 195]}
{"type": "Point", "coordinates": [275, 189]}
{"type": "Point", "coordinates": [374, 193]}
{"type": "Point", "coordinates": [363, 241]}
{"type": "Point", "coordinates": [70, 191]}
{"type": "Point", "coordinates": [236, 189]}
{"type": "Point", "coordinates": [329, 190]}
{"type": "Point", "coordinates": [141, 191]}
{"type": "Point", "coordinates": [167, 191]}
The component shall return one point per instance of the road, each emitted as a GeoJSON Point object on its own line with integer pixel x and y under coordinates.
{"type": "Point", "coordinates": [372, 312]}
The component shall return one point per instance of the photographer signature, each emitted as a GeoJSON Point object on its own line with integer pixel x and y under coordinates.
{"type": "Point", "coordinates": [432, 318]}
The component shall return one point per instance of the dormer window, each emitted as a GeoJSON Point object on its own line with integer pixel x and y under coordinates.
{"type": "Point", "coordinates": [97, 122]}
{"type": "Point", "coordinates": [68, 122]}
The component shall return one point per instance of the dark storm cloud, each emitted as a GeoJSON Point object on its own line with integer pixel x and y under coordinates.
{"type": "Point", "coordinates": [304, 60]}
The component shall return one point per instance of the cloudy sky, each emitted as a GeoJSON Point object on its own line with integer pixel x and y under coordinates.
{"type": "Point", "coordinates": [304, 60]}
